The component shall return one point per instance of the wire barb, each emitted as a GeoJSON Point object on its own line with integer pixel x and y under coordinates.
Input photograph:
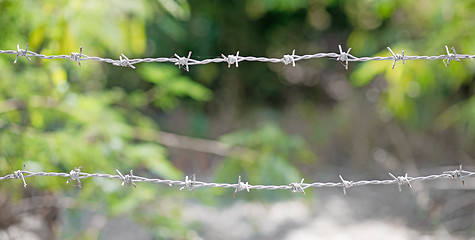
{"type": "Point", "coordinates": [127, 178]}
{"type": "Point", "coordinates": [457, 173]}
{"type": "Point", "coordinates": [76, 57]}
{"type": "Point", "coordinates": [124, 61]}
{"type": "Point", "coordinates": [450, 56]}
{"type": "Point", "coordinates": [189, 184]}
{"type": "Point", "coordinates": [297, 187]}
{"type": "Point", "coordinates": [241, 186]}
{"type": "Point", "coordinates": [287, 59]}
{"type": "Point", "coordinates": [183, 61]}
{"type": "Point", "coordinates": [231, 59]}
{"type": "Point", "coordinates": [346, 184]}
{"type": "Point", "coordinates": [397, 57]}
{"type": "Point", "coordinates": [74, 176]}
{"type": "Point", "coordinates": [19, 174]}
{"type": "Point", "coordinates": [343, 56]}
{"type": "Point", "coordinates": [400, 180]}
{"type": "Point", "coordinates": [21, 52]}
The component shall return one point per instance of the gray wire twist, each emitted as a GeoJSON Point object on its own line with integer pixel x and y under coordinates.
{"type": "Point", "coordinates": [185, 62]}
{"type": "Point", "coordinates": [191, 184]}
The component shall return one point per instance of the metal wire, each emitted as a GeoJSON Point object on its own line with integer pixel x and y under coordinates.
{"type": "Point", "coordinates": [185, 62]}
{"type": "Point", "coordinates": [191, 183]}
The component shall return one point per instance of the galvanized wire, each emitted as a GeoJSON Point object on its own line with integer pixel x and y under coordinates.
{"type": "Point", "coordinates": [191, 183]}
{"type": "Point", "coordinates": [185, 62]}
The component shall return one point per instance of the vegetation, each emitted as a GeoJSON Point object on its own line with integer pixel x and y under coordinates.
{"type": "Point", "coordinates": [55, 115]}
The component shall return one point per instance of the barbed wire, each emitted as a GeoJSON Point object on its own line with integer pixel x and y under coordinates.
{"type": "Point", "coordinates": [185, 62]}
{"type": "Point", "coordinates": [191, 183]}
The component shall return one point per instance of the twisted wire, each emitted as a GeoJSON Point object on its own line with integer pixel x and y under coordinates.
{"type": "Point", "coordinates": [185, 62]}
{"type": "Point", "coordinates": [191, 183]}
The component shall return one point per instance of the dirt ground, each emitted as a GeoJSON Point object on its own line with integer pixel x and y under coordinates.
{"type": "Point", "coordinates": [363, 214]}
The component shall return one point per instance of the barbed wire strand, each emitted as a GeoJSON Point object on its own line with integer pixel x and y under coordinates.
{"type": "Point", "coordinates": [191, 183]}
{"type": "Point", "coordinates": [185, 62]}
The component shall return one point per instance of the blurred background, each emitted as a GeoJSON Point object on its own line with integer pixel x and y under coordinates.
{"type": "Point", "coordinates": [269, 123]}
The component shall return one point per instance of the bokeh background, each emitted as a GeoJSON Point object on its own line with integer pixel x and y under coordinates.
{"type": "Point", "coordinates": [269, 123]}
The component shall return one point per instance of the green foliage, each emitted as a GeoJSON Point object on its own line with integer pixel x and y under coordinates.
{"type": "Point", "coordinates": [169, 86]}
{"type": "Point", "coordinates": [416, 82]}
{"type": "Point", "coordinates": [55, 116]}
